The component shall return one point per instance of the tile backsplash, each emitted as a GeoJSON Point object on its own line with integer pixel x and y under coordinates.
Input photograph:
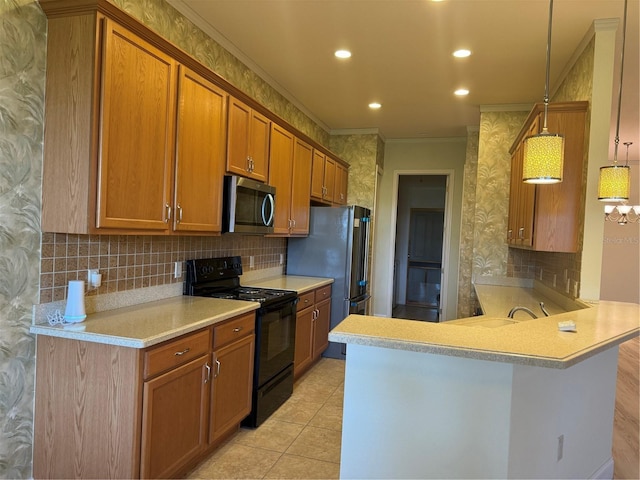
{"type": "Point", "coordinates": [130, 262]}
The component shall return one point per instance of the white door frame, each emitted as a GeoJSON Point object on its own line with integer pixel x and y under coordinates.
{"type": "Point", "coordinates": [446, 247]}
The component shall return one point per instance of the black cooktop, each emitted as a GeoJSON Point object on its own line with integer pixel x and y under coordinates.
{"type": "Point", "coordinates": [220, 278]}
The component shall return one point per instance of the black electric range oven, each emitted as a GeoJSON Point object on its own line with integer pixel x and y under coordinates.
{"type": "Point", "coordinates": [275, 329]}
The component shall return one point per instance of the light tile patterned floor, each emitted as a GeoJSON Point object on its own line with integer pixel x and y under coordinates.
{"type": "Point", "coordinates": [301, 440]}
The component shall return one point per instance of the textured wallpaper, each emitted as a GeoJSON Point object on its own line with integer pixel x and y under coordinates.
{"type": "Point", "coordinates": [361, 152]}
{"type": "Point", "coordinates": [466, 294]}
{"type": "Point", "coordinates": [498, 130]}
{"type": "Point", "coordinates": [22, 65]}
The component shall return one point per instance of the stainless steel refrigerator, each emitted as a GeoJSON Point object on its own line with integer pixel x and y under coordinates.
{"type": "Point", "coordinates": [337, 247]}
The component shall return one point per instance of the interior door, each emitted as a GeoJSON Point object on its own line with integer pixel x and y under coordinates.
{"type": "Point", "coordinates": [424, 267]}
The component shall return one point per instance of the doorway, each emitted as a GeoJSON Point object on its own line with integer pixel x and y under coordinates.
{"type": "Point", "coordinates": [419, 254]}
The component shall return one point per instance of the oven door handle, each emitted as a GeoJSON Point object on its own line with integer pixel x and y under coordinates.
{"type": "Point", "coordinates": [268, 197]}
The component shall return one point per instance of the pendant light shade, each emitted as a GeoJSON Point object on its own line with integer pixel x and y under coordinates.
{"type": "Point", "coordinates": [543, 159]}
{"type": "Point", "coordinates": [614, 181]}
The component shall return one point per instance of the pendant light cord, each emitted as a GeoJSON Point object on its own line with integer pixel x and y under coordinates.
{"type": "Point", "coordinates": [546, 82]}
{"type": "Point", "coordinates": [624, 41]}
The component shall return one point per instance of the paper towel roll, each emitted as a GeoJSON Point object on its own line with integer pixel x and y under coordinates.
{"type": "Point", "coordinates": [75, 312]}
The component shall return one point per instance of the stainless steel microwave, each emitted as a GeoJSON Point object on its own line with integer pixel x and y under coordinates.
{"type": "Point", "coordinates": [249, 206]}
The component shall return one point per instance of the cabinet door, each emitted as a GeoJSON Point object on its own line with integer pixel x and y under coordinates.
{"type": "Point", "coordinates": [514, 195]}
{"type": "Point", "coordinates": [300, 193]}
{"type": "Point", "coordinates": [304, 340]}
{"type": "Point", "coordinates": [247, 141]}
{"type": "Point", "coordinates": [329, 179]}
{"type": "Point", "coordinates": [238, 138]}
{"type": "Point", "coordinates": [200, 149]}
{"type": "Point", "coordinates": [136, 133]}
{"type": "Point", "coordinates": [317, 175]}
{"type": "Point", "coordinates": [558, 206]}
{"type": "Point", "coordinates": [232, 386]}
{"type": "Point", "coordinates": [259, 146]}
{"type": "Point", "coordinates": [340, 193]}
{"type": "Point", "coordinates": [280, 176]}
{"type": "Point", "coordinates": [321, 328]}
{"type": "Point", "coordinates": [174, 419]}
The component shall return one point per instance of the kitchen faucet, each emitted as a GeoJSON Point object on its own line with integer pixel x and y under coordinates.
{"type": "Point", "coordinates": [525, 309]}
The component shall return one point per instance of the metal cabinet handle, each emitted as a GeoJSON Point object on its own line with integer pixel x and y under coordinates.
{"type": "Point", "coordinates": [179, 208]}
{"type": "Point", "coordinates": [208, 377]}
{"type": "Point", "coordinates": [521, 233]}
{"type": "Point", "coordinates": [217, 369]}
{"type": "Point", "coordinates": [179, 354]}
{"type": "Point", "coordinates": [167, 209]}
{"type": "Point", "coordinates": [509, 234]}
{"type": "Point", "coordinates": [237, 329]}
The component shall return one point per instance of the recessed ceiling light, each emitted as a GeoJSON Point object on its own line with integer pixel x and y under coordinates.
{"type": "Point", "coordinates": [462, 53]}
{"type": "Point", "coordinates": [461, 92]}
{"type": "Point", "coordinates": [342, 53]}
{"type": "Point", "coordinates": [375, 105]}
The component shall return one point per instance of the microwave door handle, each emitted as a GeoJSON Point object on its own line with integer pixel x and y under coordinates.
{"type": "Point", "coordinates": [269, 197]}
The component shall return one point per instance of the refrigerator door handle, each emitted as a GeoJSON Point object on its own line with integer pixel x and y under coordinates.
{"type": "Point", "coordinates": [361, 301]}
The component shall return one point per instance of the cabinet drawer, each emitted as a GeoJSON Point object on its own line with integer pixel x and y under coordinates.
{"type": "Point", "coordinates": [306, 300]}
{"type": "Point", "coordinates": [233, 329]}
{"type": "Point", "coordinates": [176, 352]}
{"type": "Point", "coordinates": [323, 293]}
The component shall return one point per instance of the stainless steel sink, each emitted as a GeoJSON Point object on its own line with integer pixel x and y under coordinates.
{"type": "Point", "coordinates": [486, 322]}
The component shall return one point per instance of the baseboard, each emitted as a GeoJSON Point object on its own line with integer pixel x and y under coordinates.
{"type": "Point", "coordinates": [605, 471]}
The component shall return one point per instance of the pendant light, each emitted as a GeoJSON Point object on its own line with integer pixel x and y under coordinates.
{"type": "Point", "coordinates": [544, 152]}
{"type": "Point", "coordinates": [613, 184]}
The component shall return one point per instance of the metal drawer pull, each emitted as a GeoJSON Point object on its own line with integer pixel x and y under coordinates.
{"type": "Point", "coordinates": [217, 368]}
{"type": "Point", "coordinates": [237, 329]}
{"type": "Point", "coordinates": [179, 354]}
{"type": "Point", "coordinates": [206, 380]}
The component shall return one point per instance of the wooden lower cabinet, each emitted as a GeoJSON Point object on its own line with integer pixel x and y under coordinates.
{"type": "Point", "coordinates": [313, 319]}
{"type": "Point", "coordinates": [321, 328]}
{"type": "Point", "coordinates": [174, 419]}
{"type": "Point", "coordinates": [106, 411]}
{"type": "Point", "coordinates": [232, 384]}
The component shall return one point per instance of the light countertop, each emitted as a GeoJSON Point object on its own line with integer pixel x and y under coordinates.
{"type": "Point", "coordinates": [536, 342]}
{"type": "Point", "coordinates": [147, 324]}
{"type": "Point", "coordinates": [296, 283]}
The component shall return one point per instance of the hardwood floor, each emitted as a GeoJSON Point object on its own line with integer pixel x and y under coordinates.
{"type": "Point", "coordinates": [626, 433]}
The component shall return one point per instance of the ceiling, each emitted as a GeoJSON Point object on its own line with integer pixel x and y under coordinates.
{"type": "Point", "coordinates": [402, 57]}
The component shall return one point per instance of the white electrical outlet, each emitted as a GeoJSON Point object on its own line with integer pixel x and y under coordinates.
{"type": "Point", "coordinates": [94, 278]}
{"type": "Point", "coordinates": [568, 286]}
{"type": "Point", "coordinates": [541, 274]}
{"type": "Point", "coordinates": [575, 289]}
{"type": "Point", "coordinates": [251, 264]}
{"type": "Point", "coordinates": [281, 258]}
{"type": "Point", "coordinates": [177, 269]}
{"type": "Point", "coordinates": [555, 280]}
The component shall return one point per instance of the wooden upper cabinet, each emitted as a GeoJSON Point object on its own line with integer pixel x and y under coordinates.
{"type": "Point", "coordinates": [341, 184]}
{"type": "Point", "coordinates": [247, 142]}
{"type": "Point", "coordinates": [548, 217]}
{"type": "Point", "coordinates": [317, 175]}
{"type": "Point", "coordinates": [280, 171]}
{"type": "Point", "coordinates": [136, 125]}
{"type": "Point", "coordinates": [290, 173]}
{"type": "Point", "coordinates": [301, 187]}
{"type": "Point", "coordinates": [327, 180]}
{"type": "Point", "coordinates": [200, 154]}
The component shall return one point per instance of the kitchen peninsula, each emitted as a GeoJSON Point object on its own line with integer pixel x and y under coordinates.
{"type": "Point", "coordinates": [426, 400]}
